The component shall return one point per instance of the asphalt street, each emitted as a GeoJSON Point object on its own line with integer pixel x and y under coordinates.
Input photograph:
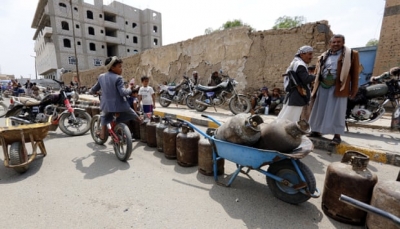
{"type": "Point", "coordinates": [83, 185]}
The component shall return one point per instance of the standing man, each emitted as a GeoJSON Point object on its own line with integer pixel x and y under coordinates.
{"type": "Point", "coordinates": [337, 73]}
{"type": "Point", "coordinates": [214, 80]}
{"type": "Point", "coordinates": [294, 100]}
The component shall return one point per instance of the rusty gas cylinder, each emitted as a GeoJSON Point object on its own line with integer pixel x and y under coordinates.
{"type": "Point", "coordinates": [160, 134]}
{"type": "Point", "coordinates": [136, 129]}
{"type": "Point", "coordinates": [186, 147]}
{"type": "Point", "coordinates": [143, 135]}
{"type": "Point", "coordinates": [205, 160]}
{"type": "Point", "coordinates": [351, 178]}
{"type": "Point", "coordinates": [151, 131]}
{"type": "Point", "coordinates": [385, 196]}
{"type": "Point", "coordinates": [169, 140]}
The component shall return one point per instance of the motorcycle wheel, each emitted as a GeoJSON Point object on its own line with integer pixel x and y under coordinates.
{"type": "Point", "coordinates": [287, 171]}
{"type": "Point", "coordinates": [123, 148]}
{"type": "Point", "coordinates": [164, 103]}
{"type": "Point", "coordinates": [95, 127]}
{"type": "Point", "coordinates": [76, 127]}
{"type": "Point", "coordinates": [191, 101]}
{"type": "Point", "coordinates": [3, 109]}
{"type": "Point", "coordinates": [240, 104]}
{"type": "Point", "coordinates": [200, 107]}
{"type": "Point", "coordinates": [17, 157]}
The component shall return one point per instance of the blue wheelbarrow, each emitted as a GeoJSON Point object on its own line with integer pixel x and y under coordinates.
{"type": "Point", "coordinates": [288, 178]}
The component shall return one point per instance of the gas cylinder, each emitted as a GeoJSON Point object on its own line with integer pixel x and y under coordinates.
{"type": "Point", "coordinates": [282, 135]}
{"type": "Point", "coordinates": [136, 129]}
{"type": "Point", "coordinates": [206, 159]}
{"type": "Point", "coordinates": [151, 131]}
{"type": "Point", "coordinates": [240, 129]}
{"type": "Point", "coordinates": [385, 196]}
{"type": "Point", "coordinates": [169, 140]}
{"type": "Point", "coordinates": [186, 147]}
{"type": "Point", "coordinates": [350, 177]}
{"type": "Point", "coordinates": [143, 135]}
{"type": "Point", "coordinates": [160, 134]}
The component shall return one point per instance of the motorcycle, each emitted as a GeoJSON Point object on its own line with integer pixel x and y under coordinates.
{"type": "Point", "coordinates": [177, 94]}
{"type": "Point", "coordinates": [72, 121]}
{"type": "Point", "coordinates": [368, 104]}
{"type": "Point", "coordinates": [211, 96]}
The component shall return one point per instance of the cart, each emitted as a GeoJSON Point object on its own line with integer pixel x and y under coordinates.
{"type": "Point", "coordinates": [16, 137]}
{"type": "Point", "coordinates": [287, 177]}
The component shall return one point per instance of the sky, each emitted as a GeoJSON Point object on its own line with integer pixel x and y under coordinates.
{"type": "Point", "coordinates": [358, 20]}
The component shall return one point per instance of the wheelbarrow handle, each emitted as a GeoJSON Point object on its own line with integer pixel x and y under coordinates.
{"type": "Point", "coordinates": [212, 119]}
{"type": "Point", "coordinates": [368, 208]}
{"type": "Point", "coordinates": [194, 128]}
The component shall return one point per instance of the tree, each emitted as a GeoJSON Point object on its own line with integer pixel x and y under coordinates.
{"type": "Point", "coordinates": [372, 42]}
{"type": "Point", "coordinates": [287, 22]}
{"type": "Point", "coordinates": [228, 25]}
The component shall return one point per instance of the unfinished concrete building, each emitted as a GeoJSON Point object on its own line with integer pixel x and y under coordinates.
{"type": "Point", "coordinates": [74, 35]}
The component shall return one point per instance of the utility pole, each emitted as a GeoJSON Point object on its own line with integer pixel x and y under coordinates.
{"type": "Point", "coordinates": [73, 35]}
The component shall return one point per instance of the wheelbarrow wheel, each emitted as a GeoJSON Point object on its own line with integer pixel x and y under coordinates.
{"type": "Point", "coordinates": [287, 171]}
{"type": "Point", "coordinates": [17, 157]}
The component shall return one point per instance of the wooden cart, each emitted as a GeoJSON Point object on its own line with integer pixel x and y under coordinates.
{"type": "Point", "coordinates": [16, 156]}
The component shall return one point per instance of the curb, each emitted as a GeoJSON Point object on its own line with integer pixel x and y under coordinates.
{"type": "Point", "coordinates": [319, 143]}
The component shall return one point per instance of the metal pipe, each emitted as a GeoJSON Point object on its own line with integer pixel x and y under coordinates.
{"type": "Point", "coordinates": [368, 208]}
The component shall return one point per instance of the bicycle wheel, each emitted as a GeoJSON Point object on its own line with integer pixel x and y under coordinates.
{"type": "Point", "coordinates": [95, 128]}
{"type": "Point", "coordinates": [123, 145]}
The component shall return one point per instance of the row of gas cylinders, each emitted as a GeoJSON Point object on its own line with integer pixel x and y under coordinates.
{"type": "Point", "coordinates": [178, 142]}
{"type": "Point", "coordinates": [352, 178]}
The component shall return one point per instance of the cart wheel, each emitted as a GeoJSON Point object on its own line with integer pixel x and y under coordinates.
{"type": "Point", "coordinates": [17, 156]}
{"type": "Point", "coordinates": [286, 170]}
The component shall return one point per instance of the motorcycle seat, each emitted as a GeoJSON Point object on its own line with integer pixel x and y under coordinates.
{"type": "Point", "coordinates": [207, 88]}
{"type": "Point", "coordinates": [28, 101]}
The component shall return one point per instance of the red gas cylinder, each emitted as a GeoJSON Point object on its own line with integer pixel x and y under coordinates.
{"type": "Point", "coordinates": [351, 178]}
{"type": "Point", "coordinates": [186, 150]}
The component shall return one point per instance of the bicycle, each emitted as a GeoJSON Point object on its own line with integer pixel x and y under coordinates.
{"type": "Point", "coordinates": [120, 134]}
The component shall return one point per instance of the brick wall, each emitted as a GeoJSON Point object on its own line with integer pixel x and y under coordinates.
{"type": "Point", "coordinates": [387, 55]}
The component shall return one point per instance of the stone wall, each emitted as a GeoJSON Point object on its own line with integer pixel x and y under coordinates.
{"type": "Point", "coordinates": [255, 59]}
{"type": "Point", "coordinates": [387, 55]}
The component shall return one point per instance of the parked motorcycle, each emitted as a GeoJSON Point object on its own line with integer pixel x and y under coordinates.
{"type": "Point", "coordinates": [368, 104]}
{"type": "Point", "coordinates": [72, 121]}
{"type": "Point", "coordinates": [211, 96]}
{"type": "Point", "coordinates": [177, 94]}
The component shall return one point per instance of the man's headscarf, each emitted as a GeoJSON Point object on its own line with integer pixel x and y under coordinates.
{"type": "Point", "coordinates": [304, 49]}
{"type": "Point", "coordinates": [109, 65]}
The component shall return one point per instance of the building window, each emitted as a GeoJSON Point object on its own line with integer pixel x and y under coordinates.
{"type": "Point", "coordinates": [72, 60]}
{"type": "Point", "coordinates": [127, 36]}
{"type": "Point", "coordinates": [89, 14]}
{"type": "Point", "coordinates": [135, 51]}
{"type": "Point", "coordinates": [128, 50]}
{"type": "Point", "coordinates": [155, 41]}
{"type": "Point", "coordinates": [92, 47]}
{"type": "Point", "coordinates": [154, 29]}
{"type": "Point", "coordinates": [101, 31]}
{"type": "Point", "coordinates": [126, 22]}
{"type": "Point", "coordinates": [134, 25]}
{"type": "Point", "coordinates": [77, 26]}
{"type": "Point", "coordinates": [64, 25]}
{"type": "Point", "coordinates": [79, 43]}
{"type": "Point", "coordinates": [76, 9]}
{"type": "Point", "coordinates": [97, 62]}
{"type": "Point", "coordinates": [100, 15]}
{"type": "Point", "coordinates": [62, 5]}
{"type": "Point", "coordinates": [135, 40]}
{"type": "Point", "coordinates": [91, 30]}
{"type": "Point", "coordinates": [67, 43]}
{"type": "Point", "coordinates": [102, 46]}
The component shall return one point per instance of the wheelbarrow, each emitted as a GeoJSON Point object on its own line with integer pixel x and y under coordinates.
{"type": "Point", "coordinates": [288, 178]}
{"type": "Point", "coordinates": [16, 137]}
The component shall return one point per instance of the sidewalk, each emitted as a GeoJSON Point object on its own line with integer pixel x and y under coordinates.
{"type": "Point", "coordinates": [374, 139]}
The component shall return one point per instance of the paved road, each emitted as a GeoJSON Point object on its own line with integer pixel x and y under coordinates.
{"type": "Point", "coordinates": [82, 185]}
